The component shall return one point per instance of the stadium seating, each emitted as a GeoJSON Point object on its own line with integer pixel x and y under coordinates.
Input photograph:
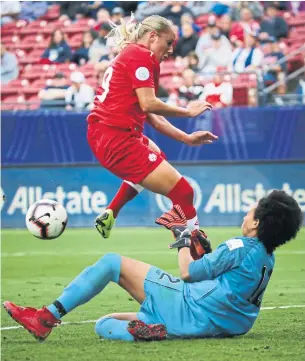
{"type": "Point", "coordinates": [28, 41]}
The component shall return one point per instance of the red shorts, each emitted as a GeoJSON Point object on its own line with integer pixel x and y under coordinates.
{"type": "Point", "coordinates": [124, 153]}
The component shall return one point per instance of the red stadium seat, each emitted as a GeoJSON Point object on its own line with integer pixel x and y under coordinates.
{"type": "Point", "coordinates": [240, 95]}
{"type": "Point", "coordinates": [169, 68]}
{"type": "Point", "coordinates": [34, 71]}
{"type": "Point", "coordinates": [66, 67]}
{"type": "Point", "coordinates": [14, 102]}
{"type": "Point", "coordinates": [32, 41]}
{"type": "Point", "coordinates": [14, 87]}
{"type": "Point", "coordinates": [35, 27]}
{"type": "Point", "coordinates": [33, 102]}
{"type": "Point", "coordinates": [53, 13]}
{"type": "Point", "coordinates": [11, 42]}
{"type": "Point", "coordinates": [32, 90]}
{"type": "Point", "coordinates": [92, 82]}
{"type": "Point", "coordinates": [34, 56]}
{"type": "Point", "coordinates": [13, 28]}
{"type": "Point", "coordinates": [40, 83]}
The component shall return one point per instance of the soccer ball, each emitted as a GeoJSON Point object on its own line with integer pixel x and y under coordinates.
{"type": "Point", "coordinates": [46, 219]}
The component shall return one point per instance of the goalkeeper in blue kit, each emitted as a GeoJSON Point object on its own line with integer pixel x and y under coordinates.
{"type": "Point", "coordinates": [219, 293]}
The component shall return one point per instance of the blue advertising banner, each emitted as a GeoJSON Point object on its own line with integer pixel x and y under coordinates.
{"type": "Point", "coordinates": [223, 193]}
{"type": "Point", "coordinates": [59, 137]}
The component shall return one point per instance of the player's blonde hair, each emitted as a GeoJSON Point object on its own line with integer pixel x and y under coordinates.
{"type": "Point", "coordinates": [131, 32]}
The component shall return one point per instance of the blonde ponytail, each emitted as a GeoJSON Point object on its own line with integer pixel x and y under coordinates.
{"type": "Point", "coordinates": [131, 32]}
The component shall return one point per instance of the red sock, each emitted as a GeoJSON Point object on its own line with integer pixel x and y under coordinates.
{"type": "Point", "coordinates": [183, 194]}
{"type": "Point", "coordinates": [125, 194]}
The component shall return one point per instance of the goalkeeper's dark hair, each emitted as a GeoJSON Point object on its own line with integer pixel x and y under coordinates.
{"type": "Point", "coordinates": [280, 219]}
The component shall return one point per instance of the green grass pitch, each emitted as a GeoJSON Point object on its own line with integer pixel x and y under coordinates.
{"type": "Point", "coordinates": [34, 272]}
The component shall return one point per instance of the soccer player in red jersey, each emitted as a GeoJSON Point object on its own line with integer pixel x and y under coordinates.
{"type": "Point", "coordinates": [124, 101]}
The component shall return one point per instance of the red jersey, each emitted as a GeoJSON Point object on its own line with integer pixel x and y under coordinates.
{"type": "Point", "coordinates": [116, 103]}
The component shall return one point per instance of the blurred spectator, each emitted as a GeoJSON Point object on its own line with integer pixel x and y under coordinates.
{"type": "Point", "coordinates": [190, 61]}
{"type": "Point", "coordinates": [200, 7]}
{"type": "Point", "coordinates": [300, 90]}
{"type": "Point", "coordinates": [147, 8]}
{"type": "Point", "coordinates": [221, 8]}
{"type": "Point", "coordinates": [273, 25]}
{"type": "Point", "coordinates": [93, 8]}
{"type": "Point", "coordinates": [105, 60]}
{"type": "Point", "coordinates": [58, 51]}
{"type": "Point", "coordinates": [218, 55]}
{"type": "Point", "coordinates": [117, 14]}
{"type": "Point", "coordinates": [205, 40]}
{"type": "Point", "coordinates": [255, 7]}
{"type": "Point", "coordinates": [225, 25]}
{"type": "Point", "coordinates": [236, 31]}
{"type": "Point", "coordinates": [280, 5]}
{"type": "Point", "coordinates": [193, 61]}
{"type": "Point", "coordinates": [295, 6]}
{"type": "Point", "coordinates": [128, 6]}
{"type": "Point", "coordinates": [187, 42]}
{"type": "Point", "coordinates": [247, 22]}
{"type": "Point", "coordinates": [162, 92]}
{"type": "Point", "coordinates": [81, 55]}
{"type": "Point", "coordinates": [190, 90]}
{"type": "Point", "coordinates": [174, 11]}
{"type": "Point", "coordinates": [10, 11]}
{"type": "Point", "coordinates": [79, 96]}
{"type": "Point", "coordinates": [272, 70]}
{"type": "Point", "coordinates": [102, 17]}
{"type": "Point", "coordinates": [32, 10]}
{"type": "Point", "coordinates": [188, 19]}
{"type": "Point", "coordinates": [219, 92]}
{"type": "Point", "coordinates": [73, 9]}
{"type": "Point", "coordinates": [99, 47]}
{"type": "Point", "coordinates": [53, 95]}
{"type": "Point", "coordinates": [9, 65]}
{"type": "Point", "coordinates": [248, 57]}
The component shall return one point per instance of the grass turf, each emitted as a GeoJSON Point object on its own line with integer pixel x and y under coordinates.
{"type": "Point", "coordinates": [34, 272]}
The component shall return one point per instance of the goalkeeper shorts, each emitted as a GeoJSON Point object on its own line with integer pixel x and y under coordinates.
{"type": "Point", "coordinates": [167, 303]}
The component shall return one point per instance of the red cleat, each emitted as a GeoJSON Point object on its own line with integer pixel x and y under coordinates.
{"type": "Point", "coordinates": [39, 322]}
{"type": "Point", "coordinates": [142, 332]}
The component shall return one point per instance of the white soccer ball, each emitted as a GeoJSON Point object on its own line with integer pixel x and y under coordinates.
{"type": "Point", "coordinates": [46, 219]}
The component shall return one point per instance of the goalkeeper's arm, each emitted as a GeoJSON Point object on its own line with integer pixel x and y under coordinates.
{"type": "Point", "coordinates": [184, 259]}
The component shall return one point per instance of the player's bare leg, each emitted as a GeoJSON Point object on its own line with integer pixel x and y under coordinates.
{"type": "Point", "coordinates": [166, 180]}
{"type": "Point", "coordinates": [105, 221]}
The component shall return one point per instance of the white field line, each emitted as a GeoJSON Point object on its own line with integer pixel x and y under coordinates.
{"type": "Point", "coordinates": [96, 253]}
{"type": "Point", "coordinates": [93, 321]}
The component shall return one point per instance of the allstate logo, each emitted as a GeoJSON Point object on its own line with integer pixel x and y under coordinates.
{"type": "Point", "coordinates": [165, 204]}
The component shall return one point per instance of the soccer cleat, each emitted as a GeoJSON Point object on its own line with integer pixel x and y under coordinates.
{"type": "Point", "coordinates": [104, 223]}
{"type": "Point", "coordinates": [143, 332]}
{"type": "Point", "coordinates": [39, 322]}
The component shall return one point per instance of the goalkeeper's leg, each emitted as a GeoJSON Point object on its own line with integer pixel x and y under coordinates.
{"type": "Point", "coordinates": [128, 273]}
{"type": "Point", "coordinates": [127, 327]}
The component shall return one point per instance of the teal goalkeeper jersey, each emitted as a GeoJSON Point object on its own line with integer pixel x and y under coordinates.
{"type": "Point", "coordinates": [228, 284]}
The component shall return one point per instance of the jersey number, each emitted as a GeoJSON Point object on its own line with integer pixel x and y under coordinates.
{"type": "Point", "coordinates": [105, 84]}
{"type": "Point", "coordinates": [257, 295]}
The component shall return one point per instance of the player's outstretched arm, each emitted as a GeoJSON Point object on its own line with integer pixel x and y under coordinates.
{"type": "Point", "coordinates": [165, 127]}
{"type": "Point", "coordinates": [149, 103]}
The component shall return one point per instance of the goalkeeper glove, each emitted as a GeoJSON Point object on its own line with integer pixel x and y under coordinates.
{"type": "Point", "coordinates": [197, 241]}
